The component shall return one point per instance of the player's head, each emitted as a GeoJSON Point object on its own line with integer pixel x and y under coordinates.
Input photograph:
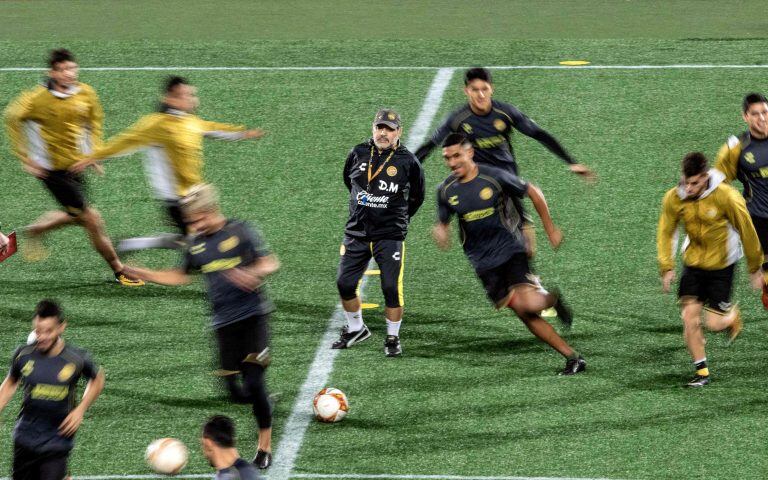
{"type": "Point", "coordinates": [48, 324]}
{"type": "Point", "coordinates": [179, 94]}
{"type": "Point", "coordinates": [755, 112]}
{"type": "Point", "coordinates": [218, 434]}
{"type": "Point", "coordinates": [478, 86]}
{"type": "Point", "coordinates": [695, 174]}
{"type": "Point", "coordinates": [458, 153]}
{"type": "Point", "coordinates": [200, 207]}
{"type": "Point", "coordinates": [62, 67]}
{"type": "Point", "coordinates": [387, 128]}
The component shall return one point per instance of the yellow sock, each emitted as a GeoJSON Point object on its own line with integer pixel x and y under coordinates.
{"type": "Point", "coordinates": [704, 372]}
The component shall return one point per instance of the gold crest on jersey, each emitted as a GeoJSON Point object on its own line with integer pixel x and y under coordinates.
{"type": "Point", "coordinates": [499, 124]}
{"type": "Point", "coordinates": [391, 170]}
{"type": "Point", "coordinates": [486, 193]}
{"type": "Point", "coordinates": [66, 372]}
{"type": "Point", "coordinates": [229, 244]}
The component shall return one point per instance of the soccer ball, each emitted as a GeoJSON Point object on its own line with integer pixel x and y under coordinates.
{"type": "Point", "coordinates": [31, 338]}
{"type": "Point", "coordinates": [330, 405]}
{"type": "Point", "coordinates": [167, 456]}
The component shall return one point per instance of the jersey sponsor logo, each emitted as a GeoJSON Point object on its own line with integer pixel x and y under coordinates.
{"type": "Point", "coordinates": [466, 127]}
{"type": "Point", "coordinates": [499, 124]}
{"type": "Point", "coordinates": [374, 201]}
{"type": "Point", "coordinates": [490, 142]}
{"type": "Point", "coordinates": [486, 193]}
{"type": "Point", "coordinates": [221, 264]}
{"type": "Point", "coordinates": [229, 244]}
{"type": "Point", "coordinates": [342, 250]}
{"type": "Point", "coordinates": [66, 372]}
{"type": "Point", "coordinates": [26, 370]}
{"type": "Point", "coordinates": [478, 214]}
{"type": "Point", "coordinates": [388, 187]}
{"type": "Point", "coordinates": [764, 172]}
{"type": "Point", "coordinates": [197, 249]}
{"type": "Point", "coordinates": [391, 170]}
{"type": "Point", "coordinates": [749, 157]}
{"type": "Point", "coordinates": [43, 391]}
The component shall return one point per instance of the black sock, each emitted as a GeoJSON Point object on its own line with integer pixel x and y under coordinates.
{"type": "Point", "coordinates": [701, 368]}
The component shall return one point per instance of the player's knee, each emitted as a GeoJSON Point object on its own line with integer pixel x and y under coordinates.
{"type": "Point", "coordinates": [347, 288]}
{"type": "Point", "coordinates": [91, 218]}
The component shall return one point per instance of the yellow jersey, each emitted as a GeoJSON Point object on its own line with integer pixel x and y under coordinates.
{"type": "Point", "coordinates": [716, 224]}
{"type": "Point", "coordinates": [174, 145]}
{"type": "Point", "coordinates": [54, 129]}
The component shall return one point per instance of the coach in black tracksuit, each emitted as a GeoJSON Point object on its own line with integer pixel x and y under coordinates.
{"type": "Point", "coordinates": [386, 186]}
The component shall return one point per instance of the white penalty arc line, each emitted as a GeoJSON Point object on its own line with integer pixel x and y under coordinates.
{"type": "Point", "coordinates": [296, 426]}
{"type": "Point", "coordinates": [351, 476]}
{"type": "Point", "coordinates": [681, 66]}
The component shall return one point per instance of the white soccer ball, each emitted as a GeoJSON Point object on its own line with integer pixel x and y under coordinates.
{"type": "Point", "coordinates": [330, 405]}
{"type": "Point", "coordinates": [31, 338]}
{"type": "Point", "coordinates": [166, 455]}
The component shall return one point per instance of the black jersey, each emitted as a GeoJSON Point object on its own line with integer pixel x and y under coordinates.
{"type": "Point", "coordinates": [386, 189]}
{"type": "Point", "coordinates": [235, 245]}
{"type": "Point", "coordinates": [50, 389]}
{"type": "Point", "coordinates": [753, 174]}
{"type": "Point", "coordinates": [489, 235]}
{"type": "Point", "coordinates": [491, 133]}
{"type": "Point", "coordinates": [240, 470]}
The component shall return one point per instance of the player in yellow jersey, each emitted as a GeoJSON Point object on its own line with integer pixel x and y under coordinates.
{"type": "Point", "coordinates": [717, 224]}
{"type": "Point", "coordinates": [51, 127]}
{"type": "Point", "coordinates": [173, 140]}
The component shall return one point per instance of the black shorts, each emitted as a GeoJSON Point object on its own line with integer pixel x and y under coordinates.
{"type": "Point", "coordinates": [175, 215]}
{"type": "Point", "coordinates": [710, 287]}
{"type": "Point", "coordinates": [247, 338]}
{"type": "Point", "coordinates": [761, 227]}
{"type": "Point", "coordinates": [389, 256]}
{"type": "Point", "coordinates": [32, 465]}
{"type": "Point", "coordinates": [498, 281]}
{"type": "Point", "coordinates": [68, 189]}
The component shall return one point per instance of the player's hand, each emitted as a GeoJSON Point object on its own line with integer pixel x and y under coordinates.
{"type": "Point", "coordinates": [70, 424]}
{"type": "Point", "coordinates": [244, 279]}
{"type": "Point", "coordinates": [555, 238]}
{"type": "Point", "coordinates": [253, 134]}
{"type": "Point", "coordinates": [582, 170]}
{"type": "Point", "coordinates": [666, 280]}
{"type": "Point", "coordinates": [442, 236]}
{"type": "Point", "coordinates": [97, 168]}
{"type": "Point", "coordinates": [757, 280]}
{"type": "Point", "coordinates": [32, 169]}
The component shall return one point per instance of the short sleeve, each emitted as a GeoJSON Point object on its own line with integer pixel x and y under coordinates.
{"type": "Point", "coordinates": [444, 210]}
{"type": "Point", "coordinates": [254, 240]}
{"type": "Point", "coordinates": [188, 261]}
{"type": "Point", "coordinates": [90, 369]}
{"type": "Point", "coordinates": [15, 370]}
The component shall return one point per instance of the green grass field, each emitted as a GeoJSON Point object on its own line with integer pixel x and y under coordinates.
{"type": "Point", "coordinates": [474, 394]}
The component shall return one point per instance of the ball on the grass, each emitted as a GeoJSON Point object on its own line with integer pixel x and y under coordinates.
{"type": "Point", "coordinates": [167, 456]}
{"type": "Point", "coordinates": [330, 405]}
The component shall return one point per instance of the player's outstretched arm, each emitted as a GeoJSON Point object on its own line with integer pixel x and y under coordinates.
{"type": "Point", "coordinates": [75, 418]}
{"type": "Point", "coordinates": [7, 389]}
{"type": "Point", "coordinates": [226, 131]}
{"type": "Point", "coordinates": [172, 277]}
{"type": "Point", "coordinates": [542, 209]}
{"type": "Point", "coordinates": [441, 234]}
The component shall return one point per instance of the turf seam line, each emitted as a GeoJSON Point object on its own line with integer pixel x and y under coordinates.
{"type": "Point", "coordinates": [681, 66]}
{"type": "Point", "coordinates": [296, 426]}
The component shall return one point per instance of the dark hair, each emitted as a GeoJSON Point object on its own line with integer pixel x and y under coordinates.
{"type": "Point", "coordinates": [49, 308]}
{"type": "Point", "coordinates": [752, 98]}
{"type": "Point", "coordinates": [220, 429]}
{"type": "Point", "coordinates": [456, 139]}
{"type": "Point", "coordinates": [60, 55]}
{"type": "Point", "coordinates": [172, 82]}
{"type": "Point", "coordinates": [694, 163]}
{"type": "Point", "coordinates": [477, 73]}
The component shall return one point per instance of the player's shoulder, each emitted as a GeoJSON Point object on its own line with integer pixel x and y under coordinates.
{"type": "Point", "coordinates": [728, 192]}
{"type": "Point", "coordinates": [75, 354]}
{"type": "Point", "coordinates": [504, 108]}
{"type": "Point", "coordinates": [34, 93]}
{"type": "Point", "coordinates": [86, 89]}
{"type": "Point", "coordinates": [672, 196]}
{"type": "Point", "coordinates": [446, 184]}
{"type": "Point", "coordinates": [23, 351]}
{"type": "Point", "coordinates": [490, 171]}
{"type": "Point", "coordinates": [457, 116]}
{"type": "Point", "coordinates": [406, 155]}
{"type": "Point", "coordinates": [240, 470]}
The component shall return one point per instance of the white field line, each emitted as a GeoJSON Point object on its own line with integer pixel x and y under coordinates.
{"type": "Point", "coordinates": [301, 414]}
{"type": "Point", "coordinates": [353, 476]}
{"type": "Point", "coordinates": [347, 68]}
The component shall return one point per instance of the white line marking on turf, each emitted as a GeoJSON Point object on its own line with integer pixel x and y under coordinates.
{"type": "Point", "coordinates": [347, 68]}
{"type": "Point", "coordinates": [356, 476]}
{"type": "Point", "coordinates": [301, 414]}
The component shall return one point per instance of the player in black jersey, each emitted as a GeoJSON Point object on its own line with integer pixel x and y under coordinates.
{"type": "Point", "coordinates": [49, 371]}
{"type": "Point", "coordinates": [386, 189]}
{"type": "Point", "coordinates": [235, 263]}
{"type": "Point", "coordinates": [745, 158]}
{"type": "Point", "coordinates": [489, 125]}
{"type": "Point", "coordinates": [218, 442]}
{"type": "Point", "coordinates": [478, 195]}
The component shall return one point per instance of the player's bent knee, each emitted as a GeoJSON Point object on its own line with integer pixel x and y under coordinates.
{"type": "Point", "coordinates": [347, 289]}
